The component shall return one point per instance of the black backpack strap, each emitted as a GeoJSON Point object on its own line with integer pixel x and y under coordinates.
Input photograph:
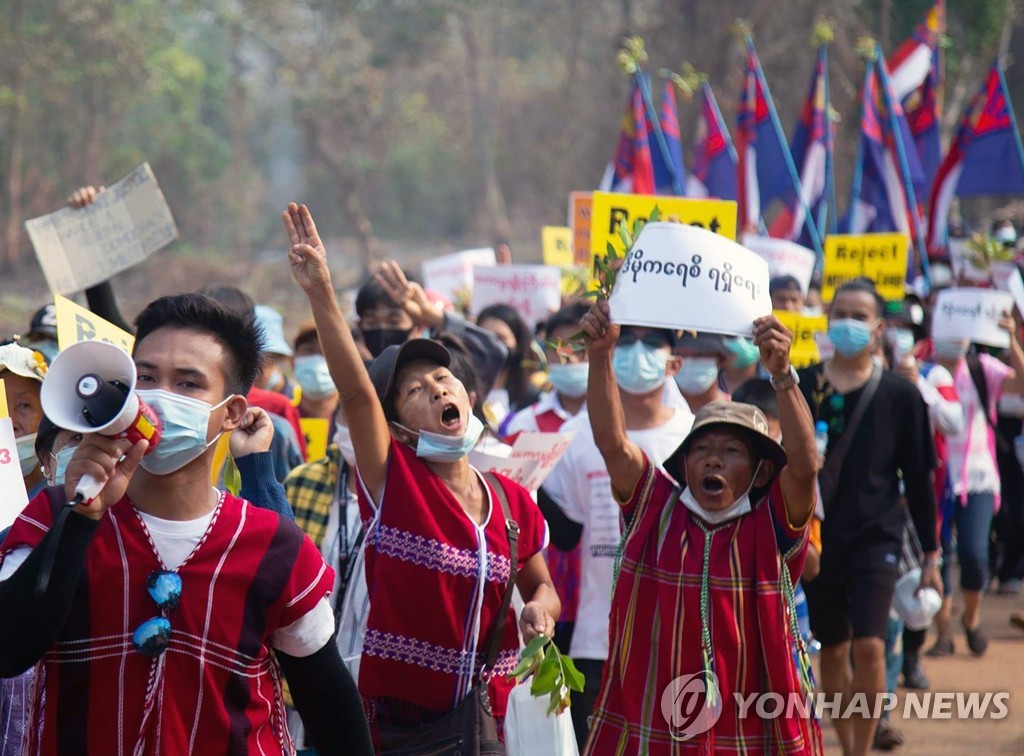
{"type": "Point", "coordinates": [828, 476]}
{"type": "Point", "coordinates": [977, 372]}
{"type": "Point", "coordinates": [512, 531]}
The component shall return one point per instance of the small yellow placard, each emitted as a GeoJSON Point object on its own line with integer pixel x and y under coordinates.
{"type": "Point", "coordinates": [804, 351]}
{"type": "Point", "coordinates": [4, 412]}
{"type": "Point", "coordinates": [611, 209]}
{"type": "Point", "coordinates": [880, 257]}
{"type": "Point", "coordinates": [556, 244]}
{"type": "Point", "coordinates": [75, 323]}
{"type": "Point", "coordinates": [315, 431]}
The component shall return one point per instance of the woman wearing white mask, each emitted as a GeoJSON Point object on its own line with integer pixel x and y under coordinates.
{"type": "Point", "coordinates": [704, 596]}
{"type": "Point", "coordinates": [319, 397]}
{"type": "Point", "coordinates": [703, 356]}
{"type": "Point", "coordinates": [438, 565]}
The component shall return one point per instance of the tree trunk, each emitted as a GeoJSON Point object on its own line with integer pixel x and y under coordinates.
{"type": "Point", "coordinates": [12, 232]}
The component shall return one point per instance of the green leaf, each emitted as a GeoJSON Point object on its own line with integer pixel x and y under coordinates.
{"type": "Point", "coordinates": [574, 679]}
{"type": "Point", "coordinates": [655, 215]}
{"type": "Point", "coordinates": [528, 657]}
{"type": "Point", "coordinates": [545, 679]}
{"type": "Point", "coordinates": [556, 699]}
{"type": "Point", "coordinates": [624, 235]}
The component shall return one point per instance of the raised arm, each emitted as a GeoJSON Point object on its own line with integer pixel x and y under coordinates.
{"type": "Point", "coordinates": [798, 476]}
{"type": "Point", "coordinates": [623, 458]}
{"type": "Point", "coordinates": [308, 260]}
{"type": "Point", "coordinates": [1014, 383]}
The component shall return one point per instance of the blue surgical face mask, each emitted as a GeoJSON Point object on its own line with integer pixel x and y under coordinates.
{"type": "Point", "coordinates": [55, 471]}
{"type": "Point", "coordinates": [850, 337]}
{"type": "Point", "coordinates": [27, 453]}
{"type": "Point", "coordinates": [697, 375]}
{"type": "Point", "coordinates": [570, 379]}
{"type": "Point", "coordinates": [746, 353]}
{"type": "Point", "coordinates": [950, 350]}
{"type": "Point", "coordinates": [314, 377]}
{"type": "Point", "coordinates": [639, 369]}
{"type": "Point", "coordinates": [437, 447]}
{"type": "Point", "coordinates": [902, 339]}
{"type": "Point", "coordinates": [185, 422]}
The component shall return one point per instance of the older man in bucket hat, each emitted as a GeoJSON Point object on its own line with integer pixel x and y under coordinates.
{"type": "Point", "coordinates": [702, 614]}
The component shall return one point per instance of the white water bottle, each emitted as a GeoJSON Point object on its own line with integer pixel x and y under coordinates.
{"type": "Point", "coordinates": [821, 438]}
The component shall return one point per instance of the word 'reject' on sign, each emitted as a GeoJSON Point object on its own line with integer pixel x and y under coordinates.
{"type": "Point", "coordinates": [879, 257]}
{"type": "Point", "coordinates": [807, 331]}
{"type": "Point", "coordinates": [688, 278]}
{"type": "Point", "coordinates": [609, 210]}
{"type": "Point", "coordinates": [75, 323]}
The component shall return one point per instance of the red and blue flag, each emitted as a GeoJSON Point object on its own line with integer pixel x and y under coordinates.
{"type": "Point", "coordinates": [667, 155]}
{"type": "Point", "coordinates": [985, 157]}
{"type": "Point", "coordinates": [714, 161]}
{"type": "Point", "coordinates": [631, 169]}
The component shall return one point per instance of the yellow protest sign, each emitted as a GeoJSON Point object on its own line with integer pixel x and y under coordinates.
{"type": "Point", "coordinates": [580, 206]}
{"type": "Point", "coordinates": [220, 455]}
{"type": "Point", "coordinates": [75, 323]}
{"type": "Point", "coordinates": [315, 431]}
{"type": "Point", "coordinates": [556, 244]}
{"type": "Point", "coordinates": [611, 209]}
{"type": "Point", "coordinates": [4, 412]}
{"type": "Point", "coordinates": [804, 351]}
{"type": "Point", "coordinates": [880, 257]}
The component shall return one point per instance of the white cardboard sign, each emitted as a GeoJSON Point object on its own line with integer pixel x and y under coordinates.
{"type": "Point", "coordinates": [79, 248]}
{"type": "Point", "coordinates": [784, 258]}
{"type": "Point", "coordinates": [12, 484]}
{"type": "Point", "coordinates": [1015, 284]}
{"type": "Point", "coordinates": [534, 456]}
{"type": "Point", "coordinates": [452, 275]}
{"type": "Point", "coordinates": [683, 277]}
{"type": "Point", "coordinates": [971, 314]}
{"type": "Point", "coordinates": [535, 291]}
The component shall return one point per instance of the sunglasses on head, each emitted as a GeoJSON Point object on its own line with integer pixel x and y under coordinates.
{"type": "Point", "coordinates": [650, 340]}
{"type": "Point", "coordinates": [152, 636]}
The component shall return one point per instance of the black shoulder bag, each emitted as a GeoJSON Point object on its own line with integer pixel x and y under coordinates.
{"type": "Point", "coordinates": [828, 476]}
{"type": "Point", "coordinates": [470, 728]}
{"type": "Point", "coordinates": [981, 387]}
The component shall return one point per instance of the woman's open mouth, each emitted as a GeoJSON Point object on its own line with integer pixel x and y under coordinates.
{"type": "Point", "coordinates": [451, 417]}
{"type": "Point", "coordinates": [712, 485]}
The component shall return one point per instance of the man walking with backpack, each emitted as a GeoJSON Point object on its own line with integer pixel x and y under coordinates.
{"type": "Point", "coordinates": [878, 434]}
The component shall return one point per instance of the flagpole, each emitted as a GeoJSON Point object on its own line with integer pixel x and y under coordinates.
{"type": "Point", "coordinates": [1009, 109]}
{"type": "Point", "coordinates": [722, 126]}
{"type": "Point", "coordinates": [830, 176]}
{"type": "Point", "coordinates": [652, 117]}
{"type": "Point", "coordinates": [858, 166]}
{"type": "Point", "coordinates": [781, 136]}
{"type": "Point", "coordinates": [908, 184]}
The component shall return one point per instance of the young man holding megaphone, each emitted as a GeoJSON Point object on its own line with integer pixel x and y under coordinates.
{"type": "Point", "coordinates": [166, 596]}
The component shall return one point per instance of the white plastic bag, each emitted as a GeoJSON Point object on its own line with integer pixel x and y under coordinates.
{"type": "Point", "coordinates": [529, 731]}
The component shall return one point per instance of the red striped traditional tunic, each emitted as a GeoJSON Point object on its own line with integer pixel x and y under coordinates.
{"type": "Point", "coordinates": [217, 687]}
{"type": "Point", "coordinates": [436, 581]}
{"type": "Point", "coordinates": [655, 634]}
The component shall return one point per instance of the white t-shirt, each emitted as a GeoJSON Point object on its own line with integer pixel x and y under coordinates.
{"type": "Point", "coordinates": [174, 541]}
{"type": "Point", "coordinates": [580, 485]}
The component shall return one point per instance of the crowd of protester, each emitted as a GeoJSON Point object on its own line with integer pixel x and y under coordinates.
{"type": "Point", "coordinates": [713, 499]}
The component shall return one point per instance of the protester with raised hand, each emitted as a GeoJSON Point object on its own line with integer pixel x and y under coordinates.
{"type": "Point", "coordinates": [123, 599]}
{"type": "Point", "coordinates": [438, 564]}
{"type": "Point", "coordinates": [707, 565]}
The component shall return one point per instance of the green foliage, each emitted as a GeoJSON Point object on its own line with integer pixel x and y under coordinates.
{"type": "Point", "coordinates": [554, 674]}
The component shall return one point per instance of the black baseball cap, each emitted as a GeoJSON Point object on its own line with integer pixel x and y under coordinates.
{"type": "Point", "coordinates": [384, 370]}
{"type": "Point", "coordinates": [44, 322]}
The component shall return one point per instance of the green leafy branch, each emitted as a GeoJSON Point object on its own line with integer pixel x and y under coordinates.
{"type": "Point", "coordinates": [554, 674]}
{"type": "Point", "coordinates": [981, 250]}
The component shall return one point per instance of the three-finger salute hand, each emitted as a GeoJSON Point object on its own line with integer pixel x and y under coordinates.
{"type": "Point", "coordinates": [774, 340]}
{"type": "Point", "coordinates": [84, 196]}
{"type": "Point", "coordinates": [307, 256]}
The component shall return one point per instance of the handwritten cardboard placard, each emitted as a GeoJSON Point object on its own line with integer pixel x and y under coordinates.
{"type": "Point", "coordinates": [580, 210]}
{"type": "Point", "coordinates": [75, 323]}
{"type": "Point", "coordinates": [784, 258]}
{"type": "Point", "coordinates": [533, 457]}
{"type": "Point", "coordinates": [79, 248]}
{"type": "Point", "coordinates": [679, 276]}
{"type": "Point", "coordinates": [556, 246]}
{"type": "Point", "coordinates": [806, 330]}
{"type": "Point", "coordinates": [610, 209]}
{"type": "Point", "coordinates": [452, 275]}
{"type": "Point", "coordinates": [880, 257]}
{"type": "Point", "coordinates": [971, 314]}
{"type": "Point", "coordinates": [315, 431]}
{"type": "Point", "coordinates": [535, 291]}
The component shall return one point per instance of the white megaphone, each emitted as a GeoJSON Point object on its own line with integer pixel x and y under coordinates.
{"type": "Point", "coordinates": [90, 388]}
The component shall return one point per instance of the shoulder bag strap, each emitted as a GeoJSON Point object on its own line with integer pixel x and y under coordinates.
{"type": "Point", "coordinates": [977, 372]}
{"type": "Point", "coordinates": [834, 461]}
{"type": "Point", "coordinates": [512, 531]}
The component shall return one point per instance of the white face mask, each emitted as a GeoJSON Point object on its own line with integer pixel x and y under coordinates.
{"type": "Point", "coordinates": [343, 439]}
{"type": "Point", "coordinates": [27, 453]}
{"type": "Point", "coordinates": [738, 508]}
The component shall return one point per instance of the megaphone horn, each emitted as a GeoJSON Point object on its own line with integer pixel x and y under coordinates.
{"type": "Point", "coordinates": [90, 388]}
